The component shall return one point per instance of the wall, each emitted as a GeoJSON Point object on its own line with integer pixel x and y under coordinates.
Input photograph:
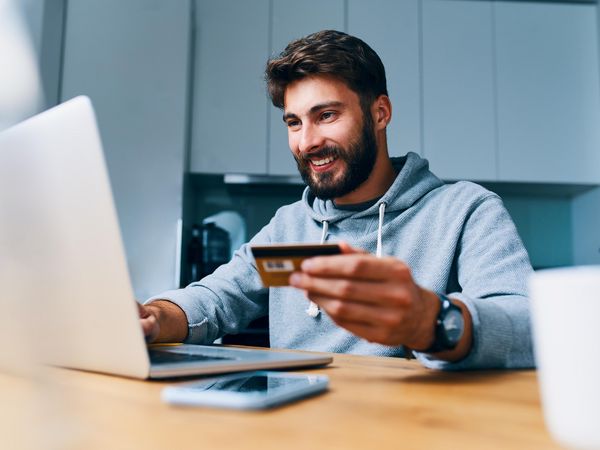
{"type": "Point", "coordinates": [131, 58]}
{"type": "Point", "coordinates": [544, 224]}
{"type": "Point", "coordinates": [586, 228]}
{"type": "Point", "coordinates": [586, 223]}
{"type": "Point", "coordinates": [585, 211]}
{"type": "Point", "coordinates": [45, 19]}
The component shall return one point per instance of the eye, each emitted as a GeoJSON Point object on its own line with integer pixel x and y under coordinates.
{"type": "Point", "coordinates": [293, 124]}
{"type": "Point", "coordinates": [328, 116]}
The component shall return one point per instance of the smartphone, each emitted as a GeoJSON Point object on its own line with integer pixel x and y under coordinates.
{"type": "Point", "coordinates": [276, 262]}
{"type": "Point", "coordinates": [247, 390]}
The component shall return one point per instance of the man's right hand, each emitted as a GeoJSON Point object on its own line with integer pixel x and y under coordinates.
{"type": "Point", "coordinates": [149, 322]}
{"type": "Point", "coordinates": [163, 321]}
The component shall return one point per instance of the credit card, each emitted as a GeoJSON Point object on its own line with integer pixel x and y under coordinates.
{"type": "Point", "coordinates": [275, 263]}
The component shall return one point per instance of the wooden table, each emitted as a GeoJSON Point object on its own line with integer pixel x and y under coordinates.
{"type": "Point", "coordinates": [373, 403]}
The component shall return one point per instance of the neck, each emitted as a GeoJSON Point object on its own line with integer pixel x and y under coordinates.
{"type": "Point", "coordinates": [381, 178]}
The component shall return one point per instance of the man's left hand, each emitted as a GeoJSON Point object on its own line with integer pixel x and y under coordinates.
{"type": "Point", "coordinates": [374, 298]}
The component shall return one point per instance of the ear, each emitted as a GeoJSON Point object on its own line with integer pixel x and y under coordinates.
{"type": "Point", "coordinates": [382, 112]}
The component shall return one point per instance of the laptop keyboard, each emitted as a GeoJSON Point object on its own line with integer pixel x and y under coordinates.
{"type": "Point", "coordinates": [163, 357]}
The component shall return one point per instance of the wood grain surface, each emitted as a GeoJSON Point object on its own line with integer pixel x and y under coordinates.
{"type": "Point", "coordinates": [372, 403]}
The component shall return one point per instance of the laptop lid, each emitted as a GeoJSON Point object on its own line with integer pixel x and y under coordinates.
{"type": "Point", "coordinates": [61, 239]}
{"type": "Point", "coordinates": [64, 261]}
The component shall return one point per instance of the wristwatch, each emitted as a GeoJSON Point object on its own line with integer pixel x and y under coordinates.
{"type": "Point", "coordinates": [449, 326]}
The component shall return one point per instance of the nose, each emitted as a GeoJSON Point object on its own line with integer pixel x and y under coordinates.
{"type": "Point", "coordinates": [310, 139]}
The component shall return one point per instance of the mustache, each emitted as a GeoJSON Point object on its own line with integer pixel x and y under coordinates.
{"type": "Point", "coordinates": [321, 154]}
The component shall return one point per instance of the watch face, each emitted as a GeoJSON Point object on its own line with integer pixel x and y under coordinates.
{"type": "Point", "coordinates": [454, 325]}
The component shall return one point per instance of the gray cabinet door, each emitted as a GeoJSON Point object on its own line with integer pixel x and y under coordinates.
{"type": "Point", "coordinates": [131, 58]}
{"type": "Point", "coordinates": [292, 19]}
{"type": "Point", "coordinates": [458, 89]}
{"type": "Point", "coordinates": [548, 92]}
{"type": "Point", "coordinates": [391, 28]}
{"type": "Point", "coordinates": [229, 119]}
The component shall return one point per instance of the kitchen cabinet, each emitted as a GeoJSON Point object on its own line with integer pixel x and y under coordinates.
{"type": "Point", "coordinates": [511, 91]}
{"type": "Point", "coordinates": [548, 92]}
{"type": "Point", "coordinates": [391, 28]}
{"type": "Point", "coordinates": [290, 20]}
{"type": "Point", "coordinates": [131, 58]}
{"type": "Point", "coordinates": [458, 89]}
{"type": "Point", "coordinates": [487, 91]}
{"type": "Point", "coordinates": [235, 129]}
{"type": "Point", "coordinates": [229, 117]}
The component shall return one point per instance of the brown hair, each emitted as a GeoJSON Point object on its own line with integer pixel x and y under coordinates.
{"type": "Point", "coordinates": [328, 52]}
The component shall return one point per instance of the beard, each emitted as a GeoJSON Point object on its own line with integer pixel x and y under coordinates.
{"type": "Point", "coordinates": [359, 158]}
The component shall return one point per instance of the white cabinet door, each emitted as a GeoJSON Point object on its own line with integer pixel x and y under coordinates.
{"type": "Point", "coordinates": [391, 28]}
{"type": "Point", "coordinates": [548, 92]}
{"type": "Point", "coordinates": [131, 58]}
{"type": "Point", "coordinates": [293, 19]}
{"type": "Point", "coordinates": [229, 119]}
{"type": "Point", "coordinates": [458, 89]}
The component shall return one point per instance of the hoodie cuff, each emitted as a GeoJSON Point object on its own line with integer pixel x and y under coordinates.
{"type": "Point", "coordinates": [492, 338]}
{"type": "Point", "coordinates": [196, 318]}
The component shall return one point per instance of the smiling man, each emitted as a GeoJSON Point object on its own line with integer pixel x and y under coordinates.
{"type": "Point", "coordinates": [427, 268]}
{"type": "Point", "coordinates": [334, 142]}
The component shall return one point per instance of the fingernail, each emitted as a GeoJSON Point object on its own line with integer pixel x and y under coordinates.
{"type": "Point", "coordinates": [295, 279]}
{"type": "Point", "coordinates": [307, 264]}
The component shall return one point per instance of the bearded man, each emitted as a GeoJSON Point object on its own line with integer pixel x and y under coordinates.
{"type": "Point", "coordinates": [427, 269]}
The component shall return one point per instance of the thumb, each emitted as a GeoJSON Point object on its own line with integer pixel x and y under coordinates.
{"type": "Point", "coordinates": [143, 311]}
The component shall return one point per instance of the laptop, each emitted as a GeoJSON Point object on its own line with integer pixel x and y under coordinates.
{"type": "Point", "coordinates": [63, 260]}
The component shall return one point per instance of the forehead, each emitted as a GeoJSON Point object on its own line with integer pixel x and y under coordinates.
{"type": "Point", "coordinates": [301, 95]}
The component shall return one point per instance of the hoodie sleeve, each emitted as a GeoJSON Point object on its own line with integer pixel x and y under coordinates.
{"type": "Point", "coordinates": [492, 268]}
{"type": "Point", "coordinates": [226, 301]}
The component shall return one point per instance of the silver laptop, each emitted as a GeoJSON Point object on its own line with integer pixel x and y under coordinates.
{"type": "Point", "coordinates": [62, 258]}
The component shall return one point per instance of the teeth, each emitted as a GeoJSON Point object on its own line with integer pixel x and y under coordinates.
{"type": "Point", "coordinates": [321, 162]}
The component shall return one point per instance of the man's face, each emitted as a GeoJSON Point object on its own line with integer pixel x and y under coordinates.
{"type": "Point", "coordinates": [331, 138]}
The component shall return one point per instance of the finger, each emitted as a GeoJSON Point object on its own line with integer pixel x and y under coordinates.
{"type": "Point", "coordinates": [390, 295]}
{"type": "Point", "coordinates": [346, 313]}
{"type": "Point", "coordinates": [372, 331]}
{"type": "Point", "coordinates": [142, 311]}
{"type": "Point", "coordinates": [357, 266]}
{"type": "Point", "coordinates": [148, 325]}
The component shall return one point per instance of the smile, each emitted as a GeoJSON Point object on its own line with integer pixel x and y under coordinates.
{"type": "Point", "coordinates": [322, 162]}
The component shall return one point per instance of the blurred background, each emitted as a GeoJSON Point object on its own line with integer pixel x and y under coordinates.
{"type": "Point", "coordinates": [503, 93]}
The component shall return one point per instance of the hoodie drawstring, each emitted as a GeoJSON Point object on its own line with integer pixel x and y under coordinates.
{"type": "Point", "coordinates": [313, 309]}
{"type": "Point", "coordinates": [325, 230]}
{"type": "Point", "coordinates": [379, 252]}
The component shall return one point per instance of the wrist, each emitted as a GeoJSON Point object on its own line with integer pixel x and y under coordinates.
{"type": "Point", "coordinates": [426, 334]}
{"type": "Point", "coordinates": [452, 330]}
{"type": "Point", "coordinates": [449, 327]}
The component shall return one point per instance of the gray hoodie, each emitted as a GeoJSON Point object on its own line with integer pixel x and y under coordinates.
{"type": "Point", "coordinates": [457, 239]}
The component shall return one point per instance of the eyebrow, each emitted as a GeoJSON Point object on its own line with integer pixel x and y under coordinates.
{"type": "Point", "coordinates": [314, 109]}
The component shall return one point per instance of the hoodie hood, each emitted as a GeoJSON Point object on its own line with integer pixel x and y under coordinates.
{"type": "Point", "coordinates": [413, 181]}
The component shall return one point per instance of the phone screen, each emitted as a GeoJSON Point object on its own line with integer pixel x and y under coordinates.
{"type": "Point", "coordinates": [260, 384]}
{"type": "Point", "coordinates": [246, 390]}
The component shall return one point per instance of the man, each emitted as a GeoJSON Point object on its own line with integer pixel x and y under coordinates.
{"type": "Point", "coordinates": [436, 270]}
